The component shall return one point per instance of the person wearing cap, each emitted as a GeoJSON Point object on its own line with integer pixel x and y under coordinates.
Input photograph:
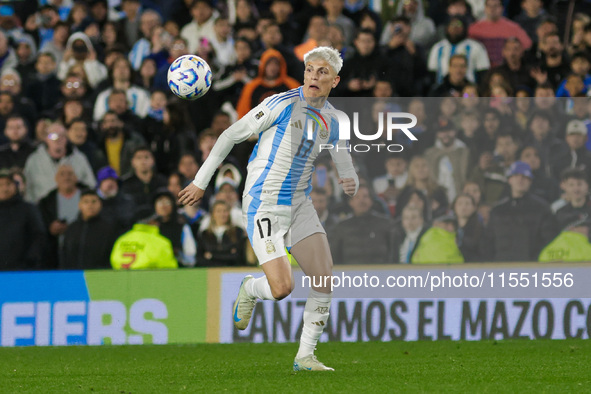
{"type": "Point", "coordinates": [79, 51]}
{"type": "Point", "coordinates": [438, 244]}
{"type": "Point", "coordinates": [576, 196]}
{"type": "Point", "coordinates": [117, 206]}
{"type": "Point", "coordinates": [521, 224]}
{"type": "Point", "coordinates": [88, 241]}
{"type": "Point", "coordinates": [577, 156]}
{"type": "Point", "coordinates": [572, 244]}
{"type": "Point", "coordinates": [22, 234]}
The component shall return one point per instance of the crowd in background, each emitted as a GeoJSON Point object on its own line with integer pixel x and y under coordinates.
{"type": "Point", "coordinates": [95, 148]}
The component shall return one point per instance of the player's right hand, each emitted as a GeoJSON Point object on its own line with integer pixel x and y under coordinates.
{"type": "Point", "coordinates": [190, 195]}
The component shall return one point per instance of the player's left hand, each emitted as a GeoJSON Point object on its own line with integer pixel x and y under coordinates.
{"type": "Point", "coordinates": [348, 185]}
{"type": "Point", "coordinates": [191, 194]}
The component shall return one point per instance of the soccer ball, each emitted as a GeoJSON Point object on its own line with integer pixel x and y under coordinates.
{"type": "Point", "coordinates": [189, 77]}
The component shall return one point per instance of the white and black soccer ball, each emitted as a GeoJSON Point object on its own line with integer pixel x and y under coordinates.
{"type": "Point", "coordinates": [189, 77]}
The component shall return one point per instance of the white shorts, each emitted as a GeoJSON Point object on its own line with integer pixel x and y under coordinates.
{"type": "Point", "coordinates": [271, 227]}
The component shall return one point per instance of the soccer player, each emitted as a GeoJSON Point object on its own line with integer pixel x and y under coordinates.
{"type": "Point", "coordinates": [276, 207]}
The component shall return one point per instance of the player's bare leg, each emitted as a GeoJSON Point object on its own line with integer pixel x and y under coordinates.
{"type": "Point", "coordinates": [276, 284]}
{"type": "Point", "coordinates": [313, 256]}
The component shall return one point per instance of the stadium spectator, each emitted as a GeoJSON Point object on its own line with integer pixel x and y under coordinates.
{"type": "Point", "coordinates": [272, 79]}
{"type": "Point", "coordinates": [11, 81]}
{"type": "Point", "coordinates": [223, 43]}
{"type": "Point", "coordinates": [59, 209]}
{"type": "Point", "coordinates": [335, 16]}
{"type": "Point", "coordinates": [188, 167]}
{"type": "Point", "coordinates": [541, 137]}
{"type": "Point", "coordinates": [117, 144]}
{"type": "Point", "coordinates": [408, 232]}
{"type": "Point", "coordinates": [457, 43]}
{"type": "Point", "coordinates": [513, 68]}
{"type": "Point", "coordinates": [41, 166]}
{"type": "Point", "coordinates": [542, 185]}
{"type": "Point", "coordinates": [143, 247]}
{"type": "Point", "coordinates": [22, 236]}
{"type": "Point", "coordinates": [454, 82]}
{"type": "Point", "coordinates": [438, 244]}
{"type": "Point", "coordinates": [117, 206]}
{"type": "Point", "coordinates": [577, 38]}
{"type": "Point", "coordinates": [404, 61]}
{"type": "Point", "coordinates": [80, 52]}
{"type": "Point", "coordinates": [8, 57]}
{"type": "Point", "coordinates": [388, 186]}
{"type": "Point", "coordinates": [129, 23]}
{"type": "Point", "coordinates": [44, 87]}
{"type": "Point", "coordinates": [222, 243]}
{"type": "Point", "coordinates": [363, 68]}
{"type": "Point", "coordinates": [142, 48]}
{"type": "Point", "coordinates": [576, 194]}
{"type": "Point", "coordinates": [422, 27]}
{"type": "Point", "coordinates": [88, 241]}
{"type": "Point", "coordinates": [226, 190]}
{"type": "Point", "coordinates": [19, 146]}
{"type": "Point", "coordinates": [74, 87]}
{"type": "Point", "coordinates": [317, 30]}
{"type": "Point", "coordinates": [78, 136]}
{"type": "Point", "coordinates": [282, 11]}
{"type": "Point", "coordinates": [26, 53]}
{"type": "Point", "coordinates": [554, 66]}
{"type": "Point", "coordinates": [365, 238]}
{"type": "Point", "coordinates": [201, 28]}
{"type": "Point", "coordinates": [320, 200]}
{"type": "Point", "coordinates": [142, 181]}
{"type": "Point", "coordinates": [271, 38]}
{"type": "Point", "coordinates": [494, 29]}
{"type": "Point", "coordinates": [519, 225]}
{"type": "Point", "coordinates": [173, 226]}
{"type": "Point", "coordinates": [420, 178]}
{"type": "Point", "coordinates": [532, 13]}
{"type": "Point", "coordinates": [57, 45]}
{"type": "Point", "coordinates": [470, 227]}
{"type": "Point", "coordinates": [580, 66]}
{"type": "Point", "coordinates": [448, 160]}
{"type": "Point", "coordinates": [577, 155]}
{"type": "Point", "coordinates": [572, 244]}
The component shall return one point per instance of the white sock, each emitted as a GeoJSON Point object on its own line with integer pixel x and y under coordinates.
{"type": "Point", "coordinates": [315, 317]}
{"type": "Point", "coordinates": [259, 288]}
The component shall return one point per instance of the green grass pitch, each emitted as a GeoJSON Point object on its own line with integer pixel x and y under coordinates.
{"type": "Point", "coordinates": [487, 366]}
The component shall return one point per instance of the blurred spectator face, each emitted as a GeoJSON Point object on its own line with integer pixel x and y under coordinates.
{"type": "Point", "coordinates": [73, 87]}
{"type": "Point", "coordinates": [272, 69]}
{"type": "Point", "coordinates": [580, 107]}
{"type": "Point", "coordinates": [98, 11]}
{"type": "Point", "coordinates": [93, 31]}
{"type": "Point", "coordinates": [520, 185]}
{"type": "Point", "coordinates": [158, 100]}
{"type": "Point", "coordinates": [473, 190]}
{"type": "Point", "coordinates": [23, 52]}
{"type": "Point", "coordinates": [522, 101]}
{"type": "Point", "coordinates": [336, 36]}
{"type": "Point", "coordinates": [7, 188]}
{"type": "Point", "coordinates": [506, 147]}
{"type": "Point", "coordinates": [60, 34]}
{"type": "Point", "coordinates": [272, 36]}
{"type": "Point", "coordinates": [493, 10]}
{"type": "Point", "coordinates": [469, 124]}
{"type": "Point", "coordinates": [11, 83]}
{"type": "Point", "coordinates": [77, 133]}
{"type": "Point", "coordinates": [163, 206]}
{"type": "Point", "coordinates": [118, 103]}
{"type": "Point", "coordinates": [448, 107]}
{"type": "Point", "coordinates": [530, 156]}
{"type": "Point", "coordinates": [243, 51]}
{"type": "Point", "coordinates": [78, 13]}
{"type": "Point", "coordinates": [574, 85]}
{"type": "Point", "coordinates": [243, 12]}
{"type": "Point", "coordinates": [457, 70]}
{"type": "Point", "coordinates": [130, 7]}
{"type": "Point", "coordinates": [121, 70]}
{"type": "Point", "coordinates": [540, 127]}
{"type": "Point", "coordinates": [73, 109]}
{"type": "Point", "coordinates": [383, 89]}
{"type": "Point", "coordinates": [111, 57]}
{"type": "Point", "coordinates": [464, 207]}
{"type": "Point", "coordinates": [491, 123]}
{"type": "Point", "coordinates": [201, 12]}
{"type": "Point", "coordinates": [512, 51]}
{"type": "Point", "coordinates": [45, 65]}
{"type": "Point", "coordinates": [317, 28]}
{"type": "Point", "coordinates": [90, 206]}
{"type": "Point", "coordinates": [334, 7]}
{"type": "Point", "coordinates": [222, 28]}
{"type": "Point", "coordinates": [148, 68]}
{"type": "Point", "coordinates": [457, 8]}
{"type": "Point", "coordinates": [551, 45]}
{"type": "Point", "coordinates": [65, 178]}
{"type": "Point", "coordinates": [419, 169]}
{"type": "Point", "coordinates": [188, 166]}
{"type": "Point", "coordinates": [365, 44]}
{"type": "Point", "coordinates": [15, 129]}
{"type": "Point", "coordinates": [228, 194]}
{"type": "Point", "coordinates": [446, 137]}
{"type": "Point", "coordinates": [281, 10]}
{"type": "Point", "coordinates": [545, 29]}
{"type": "Point", "coordinates": [544, 98]}
{"type": "Point", "coordinates": [576, 141]}
{"type": "Point", "coordinates": [109, 188]}
{"type": "Point", "coordinates": [395, 166]}
{"type": "Point", "coordinates": [6, 104]}
{"type": "Point", "coordinates": [415, 201]}
{"type": "Point", "coordinates": [111, 125]}
{"type": "Point", "coordinates": [56, 141]}
{"type": "Point", "coordinates": [80, 50]}
{"type": "Point", "coordinates": [484, 212]}
{"type": "Point", "coordinates": [580, 66]}
{"type": "Point", "coordinates": [320, 202]}
{"type": "Point", "coordinates": [143, 161]}
{"type": "Point", "coordinates": [220, 123]}
{"type": "Point", "coordinates": [417, 108]}
{"type": "Point", "coordinates": [361, 202]}
{"type": "Point", "coordinates": [109, 34]}
{"type": "Point", "coordinates": [179, 48]}
{"type": "Point", "coordinates": [148, 21]}
{"type": "Point", "coordinates": [455, 30]}
{"type": "Point", "coordinates": [367, 22]}
{"type": "Point", "coordinates": [575, 189]}
{"type": "Point", "coordinates": [412, 219]}
{"type": "Point", "coordinates": [410, 7]}
{"type": "Point", "coordinates": [531, 7]}
{"type": "Point", "coordinates": [174, 184]}
{"type": "Point", "coordinates": [469, 97]}
{"type": "Point", "coordinates": [172, 28]}
{"type": "Point", "coordinates": [220, 214]}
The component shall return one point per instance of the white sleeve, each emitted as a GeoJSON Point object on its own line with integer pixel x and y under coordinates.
{"type": "Point", "coordinates": [344, 163]}
{"type": "Point", "coordinates": [481, 57]}
{"type": "Point", "coordinates": [255, 121]}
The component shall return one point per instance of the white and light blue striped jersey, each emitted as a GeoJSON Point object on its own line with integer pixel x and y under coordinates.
{"type": "Point", "coordinates": [281, 165]}
{"type": "Point", "coordinates": [443, 50]}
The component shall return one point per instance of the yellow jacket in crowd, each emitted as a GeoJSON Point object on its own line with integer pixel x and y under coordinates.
{"type": "Point", "coordinates": [143, 247]}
